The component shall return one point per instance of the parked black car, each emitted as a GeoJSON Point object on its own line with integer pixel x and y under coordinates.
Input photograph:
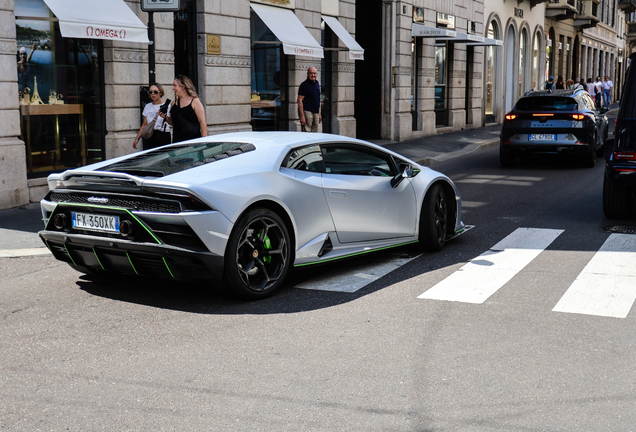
{"type": "Point", "coordinates": [619, 184]}
{"type": "Point", "coordinates": [552, 122]}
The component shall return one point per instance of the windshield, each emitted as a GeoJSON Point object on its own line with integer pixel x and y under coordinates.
{"type": "Point", "coordinates": [169, 160]}
{"type": "Point", "coordinates": [546, 103]}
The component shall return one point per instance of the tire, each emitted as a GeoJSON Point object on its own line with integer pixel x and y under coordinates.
{"type": "Point", "coordinates": [618, 201]}
{"type": "Point", "coordinates": [589, 159]}
{"type": "Point", "coordinates": [434, 220]}
{"type": "Point", "coordinates": [506, 160]}
{"type": "Point", "coordinates": [601, 150]}
{"type": "Point", "coordinates": [258, 255]}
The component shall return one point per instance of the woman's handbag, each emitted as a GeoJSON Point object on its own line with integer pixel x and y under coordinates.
{"type": "Point", "coordinates": [147, 131]}
{"type": "Point", "coordinates": [189, 129]}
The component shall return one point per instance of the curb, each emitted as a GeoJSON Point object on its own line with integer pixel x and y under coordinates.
{"type": "Point", "coordinates": [18, 253]}
{"type": "Point", "coordinates": [472, 148]}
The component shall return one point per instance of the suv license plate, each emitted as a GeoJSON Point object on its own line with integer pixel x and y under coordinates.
{"type": "Point", "coordinates": [542, 137]}
{"type": "Point", "coordinates": [95, 222]}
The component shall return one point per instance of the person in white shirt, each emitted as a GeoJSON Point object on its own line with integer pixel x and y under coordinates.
{"type": "Point", "coordinates": [607, 91]}
{"type": "Point", "coordinates": [598, 86]}
{"type": "Point", "coordinates": [578, 85]}
{"type": "Point", "coordinates": [161, 131]}
{"type": "Point", "coordinates": [591, 88]}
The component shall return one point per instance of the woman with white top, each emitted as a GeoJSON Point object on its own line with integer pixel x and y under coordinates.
{"type": "Point", "coordinates": [161, 133]}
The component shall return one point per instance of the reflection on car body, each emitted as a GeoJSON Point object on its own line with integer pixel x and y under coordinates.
{"type": "Point", "coordinates": [245, 208]}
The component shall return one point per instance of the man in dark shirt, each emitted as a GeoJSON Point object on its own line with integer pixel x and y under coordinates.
{"type": "Point", "coordinates": [309, 101]}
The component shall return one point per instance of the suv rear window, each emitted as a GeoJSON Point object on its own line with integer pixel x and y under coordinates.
{"type": "Point", "coordinates": [546, 103]}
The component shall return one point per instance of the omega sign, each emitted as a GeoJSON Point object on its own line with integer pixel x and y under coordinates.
{"type": "Point", "coordinates": [105, 33]}
{"type": "Point", "coordinates": [304, 51]}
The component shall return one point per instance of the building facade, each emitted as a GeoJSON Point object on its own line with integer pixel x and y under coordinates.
{"type": "Point", "coordinates": [75, 96]}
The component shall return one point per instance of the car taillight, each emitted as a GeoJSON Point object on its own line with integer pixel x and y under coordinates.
{"type": "Point", "coordinates": [510, 116]}
{"type": "Point", "coordinates": [625, 155]}
{"type": "Point", "coordinates": [579, 116]}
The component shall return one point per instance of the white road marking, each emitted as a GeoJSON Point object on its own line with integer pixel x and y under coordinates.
{"type": "Point", "coordinates": [483, 276]}
{"type": "Point", "coordinates": [350, 280]}
{"type": "Point", "coordinates": [607, 284]}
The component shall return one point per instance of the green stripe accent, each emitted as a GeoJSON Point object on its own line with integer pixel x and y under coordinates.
{"type": "Point", "coordinates": [131, 263]}
{"type": "Point", "coordinates": [164, 261]}
{"type": "Point", "coordinates": [69, 255]}
{"type": "Point", "coordinates": [46, 242]}
{"type": "Point", "coordinates": [46, 228]}
{"type": "Point", "coordinates": [100, 263]}
{"type": "Point", "coordinates": [114, 208]}
{"type": "Point", "coordinates": [356, 254]}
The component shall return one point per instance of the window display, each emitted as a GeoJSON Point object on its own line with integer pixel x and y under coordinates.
{"type": "Point", "coordinates": [60, 93]}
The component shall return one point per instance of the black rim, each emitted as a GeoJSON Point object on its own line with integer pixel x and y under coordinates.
{"type": "Point", "coordinates": [440, 217]}
{"type": "Point", "coordinates": [261, 255]}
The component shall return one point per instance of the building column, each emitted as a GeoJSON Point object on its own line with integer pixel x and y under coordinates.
{"type": "Point", "coordinates": [14, 191]}
{"type": "Point", "coordinates": [583, 62]}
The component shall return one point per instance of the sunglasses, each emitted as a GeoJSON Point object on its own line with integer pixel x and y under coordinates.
{"type": "Point", "coordinates": [151, 92]}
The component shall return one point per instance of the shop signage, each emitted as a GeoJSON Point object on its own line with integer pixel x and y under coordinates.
{"type": "Point", "coordinates": [160, 5]}
{"type": "Point", "coordinates": [518, 13]}
{"type": "Point", "coordinates": [214, 44]}
{"type": "Point", "coordinates": [445, 20]}
{"type": "Point", "coordinates": [291, 4]}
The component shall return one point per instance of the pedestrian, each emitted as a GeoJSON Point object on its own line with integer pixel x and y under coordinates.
{"type": "Point", "coordinates": [187, 116]}
{"type": "Point", "coordinates": [549, 84]}
{"type": "Point", "coordinates": [578, 85]}
{"type": "Point", "coordinates": [569, 84]}
{"type": "Point", "coordinates": [607, 91]}
{"type": "Point", "coordinates": [309, 102]}
{"type": "Point", "coordinates": [161, 132]}
{"type": "Point", "coordinates": [598, 88]}
{"type": "Point", "coordinates": [591, 88]}
{"type": "Point", "coordinates": [560, 84]}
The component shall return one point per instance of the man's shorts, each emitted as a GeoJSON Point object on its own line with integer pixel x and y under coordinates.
{"type": "Point", "coordinates": [311, 121]}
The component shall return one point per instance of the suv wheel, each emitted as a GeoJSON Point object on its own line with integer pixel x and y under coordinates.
{"type": "Point", "coordinates": [618, 201]}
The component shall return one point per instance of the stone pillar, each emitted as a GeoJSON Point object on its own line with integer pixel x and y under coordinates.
{"type": "Point", "coordinates": [125, 70]}
{"type": "Point", "coordinates": [584, 63]}
{"type": "Point", "coordinates": [224, 79]}
{"type": "Point", "coordinates": [14, 191]}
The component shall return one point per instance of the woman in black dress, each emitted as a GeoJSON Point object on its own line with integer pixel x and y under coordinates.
{"type": "Point", "coordinates": [187, 116]}
{"type": "Point", "coordinates": [560, 84]}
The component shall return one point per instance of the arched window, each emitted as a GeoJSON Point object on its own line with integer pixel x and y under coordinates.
{"type": "Point", "coordinates": [535, 62]}
{"type": "Point", "coordinates": [522, 60]}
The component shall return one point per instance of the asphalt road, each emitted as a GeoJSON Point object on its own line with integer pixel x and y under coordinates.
{"type": "Point", "coordinates": [133, 354]}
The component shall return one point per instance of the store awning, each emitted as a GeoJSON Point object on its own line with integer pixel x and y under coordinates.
{"type": "Point", "coordinates": [98, 19]}
{"type": "Point", "coordinates": [421, 30]}
{"type": "Point", "coordinates": [356, 52]}
{"type": "Point", "coordinates": [289, 30]}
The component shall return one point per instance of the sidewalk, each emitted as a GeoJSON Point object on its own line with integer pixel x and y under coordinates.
{"type": "Point", "coordinates": [19, 227]}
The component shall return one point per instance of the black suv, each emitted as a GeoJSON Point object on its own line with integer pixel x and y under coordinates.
{"type": "Point", "coordinates": [619, 184]}
{"type": "Point", "coordinates": [554, 122]}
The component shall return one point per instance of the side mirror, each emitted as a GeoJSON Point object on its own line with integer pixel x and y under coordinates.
{"type": "Point", "coordinates": [407, 172]}
{"type": "Point", "coordinates": [603, 109]}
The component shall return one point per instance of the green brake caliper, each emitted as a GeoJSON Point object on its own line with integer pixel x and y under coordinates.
{"type": "Point", "coordinates": [267, 244]}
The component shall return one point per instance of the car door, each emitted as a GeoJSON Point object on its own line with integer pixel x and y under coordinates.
{"type": "Point", "coordinates": [363, 205]}
{"type": "Point", "coordinates": [590, 107]}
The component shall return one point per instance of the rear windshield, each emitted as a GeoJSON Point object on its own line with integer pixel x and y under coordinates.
{"type": "Point", "coordinates": [169, 160]}
{"type": "Point", "coordinates": [546, 103]}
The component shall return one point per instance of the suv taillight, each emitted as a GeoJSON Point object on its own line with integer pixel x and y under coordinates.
{"type": "Point", "coordinates": [625, 155]}
{"type": "Point", "coordinates": [510, 116]}
{"type": "Point", "coordinates": [579, 116]}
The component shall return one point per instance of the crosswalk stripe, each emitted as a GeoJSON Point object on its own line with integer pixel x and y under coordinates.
{"type": "Point", "coordinates": [483, 276]}
{"type": "Point", "coordinates": [607, 284]}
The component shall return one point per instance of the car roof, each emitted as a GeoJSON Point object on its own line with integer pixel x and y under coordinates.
{"type": "Point", "coordinates": [280, 138]}
{"type": "Point", "coordinates": [548, 93]}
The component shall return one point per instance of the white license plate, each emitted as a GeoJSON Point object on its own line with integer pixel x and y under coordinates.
{"type": "Point", "coordinates": [95, 222]}
{"type": "Point", "coordinates": [542, 137]}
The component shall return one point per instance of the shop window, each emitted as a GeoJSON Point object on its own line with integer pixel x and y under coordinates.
{"type": "Point", "coordinates": [268, 78]}
{"type": "Point", "coordinates": [441, 104]}
{"type": "Point", "coordinates": [491, 64]}
{"type": "Point", "coordinates": [60, 91]}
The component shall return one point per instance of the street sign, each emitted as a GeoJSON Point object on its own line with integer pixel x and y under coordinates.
{"type": "Point", "coordinates": [160, 5]}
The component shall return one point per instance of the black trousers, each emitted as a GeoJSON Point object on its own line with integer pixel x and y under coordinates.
{"type": "Point", "coordinates": [157, 139]}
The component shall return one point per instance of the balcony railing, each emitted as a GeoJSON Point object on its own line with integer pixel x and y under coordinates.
{"type": "Point", "coordinates": [569, 2]}
{"type": "Point", "coordinates": [580, 7]}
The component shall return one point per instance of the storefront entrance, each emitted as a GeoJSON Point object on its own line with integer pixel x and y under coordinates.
{"type": "Point", "coordinates": [185, 42]}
